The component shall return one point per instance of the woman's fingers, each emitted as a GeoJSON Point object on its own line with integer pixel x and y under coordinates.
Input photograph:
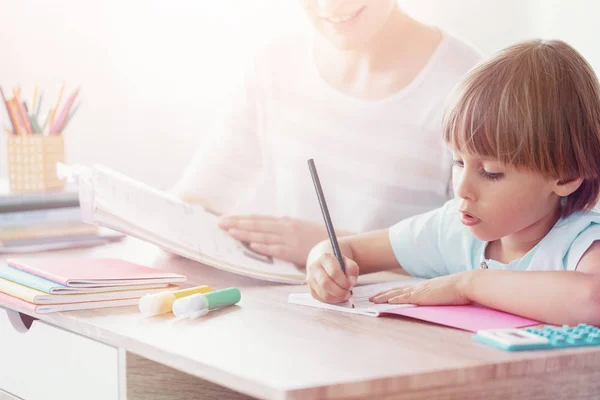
{"type": "Point", "coordinates": [255, 237]}
{"type": "Point", "coordinates": [273, 250]}
{"type": "Point", "coordinates": [253, 223]}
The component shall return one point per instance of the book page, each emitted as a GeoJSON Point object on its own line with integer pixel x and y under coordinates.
{"type": "Point", "coordinates": [143, 206]}
{"type": "Point", "coordinates": [362, 305]}
{"type": "Point", "coordinates": [122, 203]}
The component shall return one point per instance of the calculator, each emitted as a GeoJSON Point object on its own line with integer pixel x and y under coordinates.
{"type": "Point", "coordinates": [548, 337]}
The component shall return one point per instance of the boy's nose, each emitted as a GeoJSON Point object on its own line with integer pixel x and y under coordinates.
{"type": "Point", "coordinates": [463, 188]}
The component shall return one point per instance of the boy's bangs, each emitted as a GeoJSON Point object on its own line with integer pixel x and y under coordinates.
{"type": "Point", "coordinates": [474, 125]}
{"type": "Point", "coordinates": [534, 106]}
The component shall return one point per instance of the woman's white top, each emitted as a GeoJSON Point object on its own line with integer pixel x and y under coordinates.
{"type": "Point", "coordinates": [379, 161]}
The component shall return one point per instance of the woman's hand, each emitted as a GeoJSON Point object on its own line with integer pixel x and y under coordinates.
{"type": "Point", "coordinates": [445, 290]}
{"type": "Point", "coordinates": [285, 238]}
{"type": "Point", "coordinates": [327, 282]}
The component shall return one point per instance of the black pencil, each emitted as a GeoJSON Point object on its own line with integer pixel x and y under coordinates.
{"type": "Point", "coordinates": [330, 230]}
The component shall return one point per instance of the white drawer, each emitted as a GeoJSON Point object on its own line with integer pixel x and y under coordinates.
{"type": "Point", "coordinates": [47, 362]}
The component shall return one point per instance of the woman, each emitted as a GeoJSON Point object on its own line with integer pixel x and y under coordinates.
{"type": "Point", "coordinates": [364, 99]}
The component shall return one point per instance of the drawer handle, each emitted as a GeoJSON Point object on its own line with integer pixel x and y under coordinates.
{"type": "Point", "coordinates": [21, 322]}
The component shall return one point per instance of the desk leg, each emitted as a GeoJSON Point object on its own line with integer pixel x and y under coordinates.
{"type": "Point", "coordinates": [149, 380]}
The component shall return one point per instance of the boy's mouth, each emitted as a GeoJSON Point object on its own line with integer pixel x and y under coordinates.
{"type": "Point", "coordinates": [469, 219]}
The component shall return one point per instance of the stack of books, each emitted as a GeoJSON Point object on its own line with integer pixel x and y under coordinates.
{"type": "Point", "coordinates": [31, 222]}
{"type": "Point", "coordinates": [56, 284]}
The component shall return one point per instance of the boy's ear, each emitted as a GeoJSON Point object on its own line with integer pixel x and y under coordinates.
{"type": "Point", "coordinates": [566, 187]}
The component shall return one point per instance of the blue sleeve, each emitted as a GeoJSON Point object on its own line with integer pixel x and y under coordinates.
{"type": "Point", "coordinates": [416, 243]}
{"type": "Point", "coordinates": [580, 245]}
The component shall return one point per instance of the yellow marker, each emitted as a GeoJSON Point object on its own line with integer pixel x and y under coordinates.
{"type": "Point", "coordinates": [160, 303]}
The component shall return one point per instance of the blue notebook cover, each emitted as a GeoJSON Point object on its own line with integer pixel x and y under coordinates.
{"type": "Point", "coordinates": [27, 279]}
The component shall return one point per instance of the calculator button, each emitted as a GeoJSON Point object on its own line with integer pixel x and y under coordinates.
{"type": "Point", "coordinates": [545, 337]}
{"type": "Point", "coordinates": [574, 340]}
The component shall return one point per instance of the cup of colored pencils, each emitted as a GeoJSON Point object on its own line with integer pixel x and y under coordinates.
{"type": "Point", "coordinates": [35, 146]}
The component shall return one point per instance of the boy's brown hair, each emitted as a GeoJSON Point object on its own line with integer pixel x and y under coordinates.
{"type": "Point", "coordinates": [534, 105]}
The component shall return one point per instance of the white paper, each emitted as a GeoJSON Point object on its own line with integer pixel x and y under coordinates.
{"type": "Point", "coordinates": [362, 305]}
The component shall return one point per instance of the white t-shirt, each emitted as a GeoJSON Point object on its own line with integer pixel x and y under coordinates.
{"type": "Point", "coordinates": [379, 161]}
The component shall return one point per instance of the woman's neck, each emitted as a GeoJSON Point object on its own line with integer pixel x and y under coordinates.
{"type": "Point", "coordinates": [382, 66]}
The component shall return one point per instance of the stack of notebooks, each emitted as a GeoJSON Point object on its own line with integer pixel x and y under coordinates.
{"type": "Point", "coordinates": [56, 284]}
{"type": "Point", "coordinates": [46, 221]}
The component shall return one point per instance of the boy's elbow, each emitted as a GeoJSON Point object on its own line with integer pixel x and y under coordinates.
{"type": "Point", "coordinates": [591, 308]}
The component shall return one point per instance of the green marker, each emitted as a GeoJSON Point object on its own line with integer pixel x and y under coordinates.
{"type": "Point", "coordinates": [198, 305]}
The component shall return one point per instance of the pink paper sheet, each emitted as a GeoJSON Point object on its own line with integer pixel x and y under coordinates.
{"type": "Point", "coordinates": [470, 317]}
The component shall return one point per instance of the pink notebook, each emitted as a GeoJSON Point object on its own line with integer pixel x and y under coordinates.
{"type": "Point", "coordinates": [22, 305]}
{"type": "Point", "coordinates": [470, 317]}
{"type": "Point", "coordinates": [93, 272]}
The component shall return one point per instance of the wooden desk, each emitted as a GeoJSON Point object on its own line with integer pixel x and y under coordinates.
{"type": "Point", "coordinates": [267, 348]}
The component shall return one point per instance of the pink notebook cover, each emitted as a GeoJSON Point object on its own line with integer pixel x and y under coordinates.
{"type": "Point", "coordinates": [470, 317]}
{"type": "Point", "coordinates": [14, 303]}
{"type": "Point", "coordinates": [21, 305]}
{"type": "Point", "coordinates": [91, 270]}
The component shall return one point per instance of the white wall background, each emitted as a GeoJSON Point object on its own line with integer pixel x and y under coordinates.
{"type": "Point", "coordinates": [151, 71]}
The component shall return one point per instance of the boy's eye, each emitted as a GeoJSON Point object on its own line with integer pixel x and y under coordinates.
{"type": "Point", "coordinates": [492, 176]}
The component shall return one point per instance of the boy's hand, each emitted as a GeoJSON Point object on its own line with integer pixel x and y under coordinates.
{"type": "Point", "coordinates": [445, 290]}
{"type": "Point", "coordinates": [327, 282]}
{"type": "Point", "coordinates": [285, 238]}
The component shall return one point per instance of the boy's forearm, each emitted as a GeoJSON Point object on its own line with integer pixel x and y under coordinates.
{"type": "Point", "coordinates": [372, 251]}
{"type": "Point", "coordinates": [557, 297]}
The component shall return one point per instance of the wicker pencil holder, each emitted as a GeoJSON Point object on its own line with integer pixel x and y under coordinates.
{"type": "Point", "coordinates": [32, 162]}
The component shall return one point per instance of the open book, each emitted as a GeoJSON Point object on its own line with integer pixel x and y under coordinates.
{"type": "Point", "coordinates": [113, 200]}
{"type": "Point", "coordinates": [467, 317]}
